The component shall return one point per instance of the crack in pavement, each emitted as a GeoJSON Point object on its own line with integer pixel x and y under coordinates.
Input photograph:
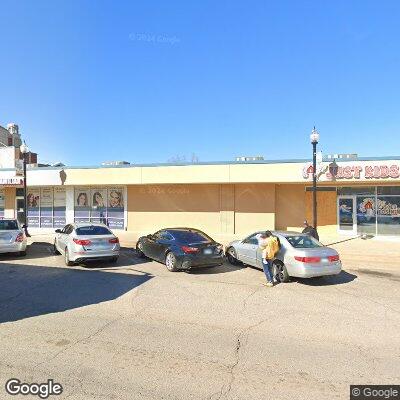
{"type": "Point", "coordinates": [241, 340]}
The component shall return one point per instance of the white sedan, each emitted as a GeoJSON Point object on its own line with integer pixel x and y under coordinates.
{"type": "Point", "coordinates": [86, 241]}
{"type": "Point", "coordinates": [12, 237]}
{"type": "Point", "coordinates": [300, 255]}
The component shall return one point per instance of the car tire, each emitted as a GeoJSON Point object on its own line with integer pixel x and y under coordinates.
{"type": "Point", "coordinates": [22, 253]}
{"type": "Point", "coordinates": [114, 260]}
{"type": "Point", "coordinates": [232, 256]}
{"type": "Point", "coordinates": [68, 263]}
{"type": "Point", "coordinates": [170, 262]}
{"type": "Point", "coordinates": [280, 272]}
{"type": "Point", "coordinates": [139, 247]}
{"type": "Point", "coordinates": [55, 251]}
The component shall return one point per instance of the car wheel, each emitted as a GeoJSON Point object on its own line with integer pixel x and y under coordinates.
{"type": "Point", "coordinates": [114, 259]}
{"type": "Point", "coordinates": [55, 251]}
{"type": "Point", "coordinates": [139, 249]}
{"type": "Point", "coordinates": [22, 253]}
{"type": "Point", "coordinates": [280, 272]}
{"type": "Point", "coordinates": [68, 263]}
{"type": "Point", "coordinates": [170, 262]}
{"type": "Point", "coordinates": [232, 256]}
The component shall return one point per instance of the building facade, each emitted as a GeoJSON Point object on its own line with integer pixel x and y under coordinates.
{"type": "Point", "coordinates": [223, 199]}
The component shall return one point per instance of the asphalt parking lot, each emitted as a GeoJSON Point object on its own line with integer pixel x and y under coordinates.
{"type": "Point", "coordinates": [136, 331]}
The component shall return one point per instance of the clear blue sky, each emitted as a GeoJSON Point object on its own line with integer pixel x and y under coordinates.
{"type": "Point", "coordinates": [89, 81]}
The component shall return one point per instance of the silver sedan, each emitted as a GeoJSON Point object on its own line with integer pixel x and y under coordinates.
{"type": "Point", "coordinates": [300, 256]}
{"type": "Point", "coordinates": [88, 241]}
{"type": "Point", "coordinates": [12, 237]}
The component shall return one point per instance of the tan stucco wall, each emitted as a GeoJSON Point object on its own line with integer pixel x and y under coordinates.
{"type": "Point", "coordinates": [290, 207]}
{"type": "Point", "coordinates": [254, 207]}
{"type": "Point", "coordinates": [326, 211]}
{"type": "Point", "coordinates": [158, 206]}
{"type": "Point", "coordinates": [222, 209]}
{"type": "Point", "coordinates": [9, 203]}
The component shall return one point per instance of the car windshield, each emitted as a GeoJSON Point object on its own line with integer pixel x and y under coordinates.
{"type": "Point", "coordinates": [8, 225]}
{"type": "Point", "coordinates": [92, 230]}
{"type": "Point", "coordinates": [303, 242]}
{"type": "Point", "coordinates": [190, 236]}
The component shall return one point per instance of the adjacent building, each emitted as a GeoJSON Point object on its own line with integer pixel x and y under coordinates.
{"type": "Point", "coordinates": [355, 196]}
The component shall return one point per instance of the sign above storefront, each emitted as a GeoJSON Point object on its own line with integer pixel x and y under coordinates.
{"type": "Point", "coordinates": [354, 171]}
{"type": "Point", "coordinates": [17, 181]}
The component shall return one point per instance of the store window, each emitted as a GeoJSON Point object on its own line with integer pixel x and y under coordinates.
{"type": "Point", "coordinates": [388, 215]}
{"type": "Point", "coordinates": [104, 205]}
{"type": "Point", "coordinates": [46, 207]}
{"type": "Point", "coordinates": [366, 214]}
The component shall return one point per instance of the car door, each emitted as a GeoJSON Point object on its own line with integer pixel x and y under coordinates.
{"type": "Point", "coordinates": [161, 241]}
{"type": "Point", "coordinates": [62, 237]}
{"type": "Point", "coordinates": [248, 250]}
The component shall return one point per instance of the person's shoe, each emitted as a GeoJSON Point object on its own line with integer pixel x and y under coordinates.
{"type": "Point", "coordinates": [269, 284]}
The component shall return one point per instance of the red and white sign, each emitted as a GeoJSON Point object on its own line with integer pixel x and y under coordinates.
{"type": "Point", "coordinates": [11, 181]}
{"type": "Point", "coordinates": [377, 171]}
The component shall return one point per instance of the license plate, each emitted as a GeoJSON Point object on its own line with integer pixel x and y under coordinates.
{"type": "Point", "coordinates": [208, 251]}
{"type": "Point", "coordinates": [325, 260]}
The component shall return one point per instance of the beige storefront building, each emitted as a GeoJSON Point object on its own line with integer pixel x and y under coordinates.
{"type": "Point", "coordinates": [220, 198]}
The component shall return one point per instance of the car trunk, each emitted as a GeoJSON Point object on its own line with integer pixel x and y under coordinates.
{"type": "Point", "coordinates": [7, 237]}
{"type": "Point", "coordinates": [205, 248]}
{"type": "Point", "coordinates": [98, 243]}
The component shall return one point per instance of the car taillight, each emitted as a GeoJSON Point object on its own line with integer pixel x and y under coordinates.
{"type": "Point", "coordinates": [20, 237]}
{"type": "Point", "coordinates": [308, 259]}
{"type": "Point", "coordinates": [189, 250]}
{"type": "Point", "coordinates": [114, 240]}
{"type": "Point", "coordinates": [333, 258]}
{"type": "Point", "coordinates": [82, 242]}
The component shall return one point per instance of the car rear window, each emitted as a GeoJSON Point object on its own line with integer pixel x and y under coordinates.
{"type": "Point", "coordinates": [303, 242]}
{"type": "Point", "coordinates": [190, 236]}
{"type": "Point", "coordinates": [8, 225]}
{"type": "Point", "coordinates": [92, 230]}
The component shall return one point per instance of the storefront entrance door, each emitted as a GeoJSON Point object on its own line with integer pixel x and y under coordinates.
{"type": "Point", "coordinates": [19, 209]}
{"type": "Point", "coordinates": [346, 211]}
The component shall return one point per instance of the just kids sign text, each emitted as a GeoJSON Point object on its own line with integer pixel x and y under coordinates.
{"type": "Point", "coordinates": [334, 171]}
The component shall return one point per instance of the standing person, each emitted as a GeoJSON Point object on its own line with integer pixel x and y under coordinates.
{"type": "Point", "coordinates": [269, 247]}
{"type": "Point", "coordinates": [310, 230]}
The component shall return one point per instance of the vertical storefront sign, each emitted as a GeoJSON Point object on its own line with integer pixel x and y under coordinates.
{"type": "Point", "coordinates": [2, 203]}
{"type": "Point", "coordinates": [115, 210]}
{"type": "Point", "coordinates": [82, 204]}
{"type": "Point", "coordinates": [33, 206]}
{"type": "Point", "coordinates": [59, 219]}
{"type": "Point", "coordinates": [99, 205]}
{"type": "Point", "coordinates": [46, 207]}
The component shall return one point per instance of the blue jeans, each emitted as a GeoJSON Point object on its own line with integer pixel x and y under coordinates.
{"type": "Point", "coordinates": [267, 269]}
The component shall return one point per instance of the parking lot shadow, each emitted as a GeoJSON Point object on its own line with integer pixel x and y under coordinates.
{"type": "Point", "coordinates": [343, 277]}
{"type": "Point", "coordinates": [29, 291]}
{"type": "Point", "coordinates": [220, 269]}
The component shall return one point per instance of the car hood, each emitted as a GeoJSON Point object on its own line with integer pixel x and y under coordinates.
{"type": "Point", "coordinates": [233, 243]}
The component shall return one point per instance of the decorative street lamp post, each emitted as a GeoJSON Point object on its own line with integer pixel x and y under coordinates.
{"type": "Point", "coordinates": [314, 138]}
{"type": "Point", "coordinates": [24, 151]}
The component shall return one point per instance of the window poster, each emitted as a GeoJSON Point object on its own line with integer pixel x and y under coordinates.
{"type": "Point", "coordinates": [46, 207]}
{"type": "Point", "coordinates": [82, 204]}
{"type": "Point", "coordinates": [60, 202]}
{"type": "Point", "coordinates": [33, 206]}
{"type": "Point", "coordinates": [2, 203]}
{"type": "Point", "coordinates": [99, 205]}
{"type": "Point", "coordinates": [115, 208]}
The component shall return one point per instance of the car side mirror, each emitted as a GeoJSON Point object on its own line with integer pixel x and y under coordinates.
{"type": "Point", "coordinates": [58, 230]}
